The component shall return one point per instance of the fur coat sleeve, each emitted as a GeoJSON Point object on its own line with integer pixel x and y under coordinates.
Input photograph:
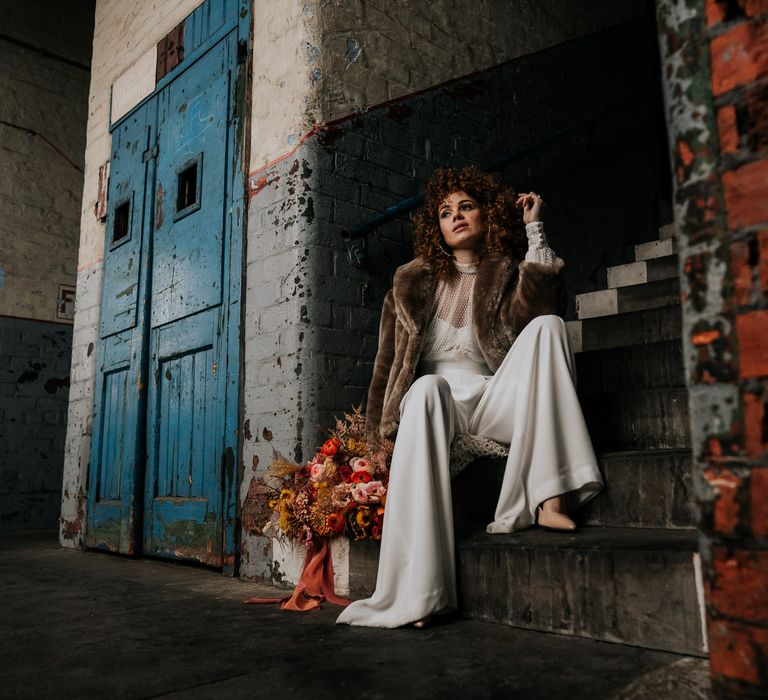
{"type": "Point", "coordinates": [381, 366]}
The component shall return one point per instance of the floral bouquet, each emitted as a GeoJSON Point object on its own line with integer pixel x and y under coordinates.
{"type": "Point", "coordinates": [342, 489]}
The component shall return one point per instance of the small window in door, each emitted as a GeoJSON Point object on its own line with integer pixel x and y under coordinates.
{"type": "Point", "coordinates": [121, 223]}
{"type": "Point", "coordinates": [188, 184]}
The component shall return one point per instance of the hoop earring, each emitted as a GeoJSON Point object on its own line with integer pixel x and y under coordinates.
{"type": "Point", "coordinates": [444, 248]}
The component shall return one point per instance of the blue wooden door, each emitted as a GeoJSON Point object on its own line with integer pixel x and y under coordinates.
{"type": "Point", "coordinates": [163, 477]}
{"type": "Point", "coordinates": [117, 448]}
{"type": "Point", "coordinates": [187, 458]}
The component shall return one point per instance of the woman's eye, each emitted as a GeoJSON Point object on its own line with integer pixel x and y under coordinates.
{"type": "Point", "coordinates": [444, 213]}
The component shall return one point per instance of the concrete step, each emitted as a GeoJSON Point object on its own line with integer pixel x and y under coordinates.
{"type": "Point", "coordinates": [644, 488]}
{"type": "Point", "coordinates": [609, 302]}
{"type": "Point", "coordinates": [656, 249]}
{"type": "Point", "coordinates": [648, 366]}
{"type": "Point", "coordinates": [638, 419]}
{"type": "Point", "coordinates": [636, 328]}
{"type": "Point", "coordinates": [631, 586]}
{"type": "Point", "coordinates": [642, 272]}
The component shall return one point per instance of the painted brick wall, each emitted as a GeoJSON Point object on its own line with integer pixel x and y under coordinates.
{"type": "Point", "coordinates": [311, 323]}
{"type": "Point", "coordinates": [715, 56]}
{"type": "Point", "coordinates": [34, 389]}
{"type": "Point", "coordinates": [42, 78]}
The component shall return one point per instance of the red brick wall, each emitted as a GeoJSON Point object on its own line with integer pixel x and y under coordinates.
{"type": "Point", "coordinates": [737, 576]}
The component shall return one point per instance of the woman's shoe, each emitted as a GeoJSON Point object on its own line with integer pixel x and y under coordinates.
{"type": "Point", "coordinates": [552, 520]}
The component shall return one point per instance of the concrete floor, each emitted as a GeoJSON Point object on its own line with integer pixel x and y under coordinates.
{"type": "Point", "coordinates": [87, 625]}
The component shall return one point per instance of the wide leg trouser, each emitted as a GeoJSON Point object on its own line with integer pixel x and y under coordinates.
{"type": "Point", "coordinates": [530, 403]}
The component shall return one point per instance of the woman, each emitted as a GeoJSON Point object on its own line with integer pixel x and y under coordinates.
{"type": "Point", "coordinates": [469, 343]}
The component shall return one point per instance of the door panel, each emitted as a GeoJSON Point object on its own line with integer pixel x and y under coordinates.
{"type": "Point", "coordinates": [117, 450]}
{"type": "Point", "coordinates": [187, 269]}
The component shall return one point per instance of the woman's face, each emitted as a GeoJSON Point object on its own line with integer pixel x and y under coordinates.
{"type": "Point", "coordinates": [461, 222]}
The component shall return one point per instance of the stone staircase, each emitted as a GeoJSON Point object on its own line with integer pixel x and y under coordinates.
{"type": "Point", "coordinates": [629, 574]}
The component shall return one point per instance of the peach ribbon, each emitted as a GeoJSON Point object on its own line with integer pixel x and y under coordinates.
{"type": "Point", "coordinates": [314, 585]}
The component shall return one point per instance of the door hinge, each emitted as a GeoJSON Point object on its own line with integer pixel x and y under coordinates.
{"type": "Point", "coordinates": [150, 153]}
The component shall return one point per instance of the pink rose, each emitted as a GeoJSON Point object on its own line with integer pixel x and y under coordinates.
{"type": "Point", "coordinates": [368, 493]}
{"type": "Point", "coordinates": [316, 471]}
{"type": "Point", "coordinates": [361, 464]}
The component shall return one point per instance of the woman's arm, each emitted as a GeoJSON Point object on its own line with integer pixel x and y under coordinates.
{"type": "Point", "coordinates": [540, 286]}
{"type": "Point", "coordinates": [381, 366]}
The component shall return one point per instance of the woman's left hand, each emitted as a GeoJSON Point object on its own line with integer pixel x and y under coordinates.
{"type": "Point", "coordinates": [533, 207]}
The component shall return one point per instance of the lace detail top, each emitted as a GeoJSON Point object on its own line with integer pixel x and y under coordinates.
{"type": "Point", "coordinates": [450, 334]}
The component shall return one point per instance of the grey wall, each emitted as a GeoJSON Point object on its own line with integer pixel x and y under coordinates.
{"type": "Point", "coordinates": [45, 50]}
{"type": "Point", "coordinates": [34, 390]}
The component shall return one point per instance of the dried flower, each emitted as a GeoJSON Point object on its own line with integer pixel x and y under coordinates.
{"type": "Point", "coordinates": [363, 516]}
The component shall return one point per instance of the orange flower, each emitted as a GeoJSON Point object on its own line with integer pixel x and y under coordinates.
{"type": "Point", "coordinates": [335, 522]}
{"type": "Point", "coordinates": [330, 447]}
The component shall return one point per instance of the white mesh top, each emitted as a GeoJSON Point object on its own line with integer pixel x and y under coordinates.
{"type": "Point", "coordinates": [449, 335]}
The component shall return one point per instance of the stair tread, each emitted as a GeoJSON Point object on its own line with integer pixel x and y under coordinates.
{"type": "Point", "coordinates": [655, 452]}
{"type": "Point", "coordinates": [642, 271]}
{"type": "Point", "coordinates": [589, 538]}
{"type": "Point", "coordinates": [661, 247]}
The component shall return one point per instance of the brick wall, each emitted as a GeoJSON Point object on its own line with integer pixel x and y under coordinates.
{"type": "Point", "coordinates": [34, 389]}
{"type": "Point", "coordinates": [44, 83]}
{"type": "Point", "coordinates": [717, 70]}
{"type": "Point", "coordinates": [311, 319]}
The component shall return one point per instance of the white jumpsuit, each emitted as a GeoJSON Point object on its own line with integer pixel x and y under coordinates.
{"type": "Point", "coordinates": [530, 404]}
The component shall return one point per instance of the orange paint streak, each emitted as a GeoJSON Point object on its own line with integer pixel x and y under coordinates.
{"type": "Point", "coordinates": [686, 154]}
{"type": "Point", "coordinates": [705, 337]}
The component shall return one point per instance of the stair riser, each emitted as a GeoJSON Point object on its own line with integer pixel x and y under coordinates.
{"type": "Point", "coordinates": [645, 599]}
{"type": "Point", "coordinates": [651, 326]}
{"type": "Point", "coordinates": [643, 489]}
{"type": "Point", "coordinates": [650, 489]}
{"type": "Point", "coordinates": [638, 297]}
{"type": "Point", "coordinates": [650, 366]}
{"type": "Point", "coordinates": [638, 420]}
{"type": "Point", "coordinates": [363, 567]}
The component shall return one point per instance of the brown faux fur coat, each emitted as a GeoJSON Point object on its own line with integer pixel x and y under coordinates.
{"type": "Point", "coordinates": [507, 295]}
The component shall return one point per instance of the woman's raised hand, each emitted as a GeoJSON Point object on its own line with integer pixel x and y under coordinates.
{"type": "Point", "coordinates": [533, 206]}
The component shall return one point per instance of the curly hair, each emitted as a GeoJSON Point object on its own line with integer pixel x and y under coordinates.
{"type": "Point", "coordinates": [505, 223]}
